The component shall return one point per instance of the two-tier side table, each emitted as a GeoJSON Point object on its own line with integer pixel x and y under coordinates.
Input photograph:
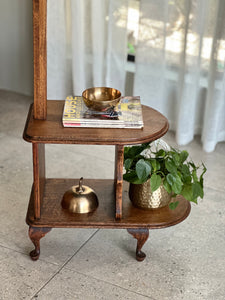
{"type": "Point", "coordinates": [44, 126]}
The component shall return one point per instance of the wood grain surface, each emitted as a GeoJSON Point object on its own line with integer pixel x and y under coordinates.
{"type": "Point", "coordinates": [39, 177]}
{"type": "Point", "coordinates": [119, 151]}
{"type": "Point", "coordinates": [40, 58]}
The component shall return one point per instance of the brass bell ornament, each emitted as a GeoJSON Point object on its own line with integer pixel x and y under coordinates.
{"type": "Point", "coordinates": [80, 199]}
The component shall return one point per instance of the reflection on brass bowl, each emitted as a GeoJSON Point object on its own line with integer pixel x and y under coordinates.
{"type": "Point", "coordinates": [101, 98]}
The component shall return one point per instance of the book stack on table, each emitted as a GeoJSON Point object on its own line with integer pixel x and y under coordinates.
{"type": "Point", "coordinates": [126, 114]}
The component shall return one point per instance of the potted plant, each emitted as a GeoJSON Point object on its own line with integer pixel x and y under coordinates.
{"type": "Point", "coordinates": [164, 172]}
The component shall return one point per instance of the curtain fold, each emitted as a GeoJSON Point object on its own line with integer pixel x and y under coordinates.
{"type": "Point", "coordinates": [99, 12]}
{"type": "Point", "coordinates": [150, 56]}
{"type": "Point", "coordinates": [117, 44]}
{"type": "Point", "coordinates": [189, 88]}
{"type": "Point", "coordinates": [58, 68]}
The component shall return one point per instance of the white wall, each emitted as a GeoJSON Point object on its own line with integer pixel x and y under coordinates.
{"type": "Point", "coordinates": [16, 60]}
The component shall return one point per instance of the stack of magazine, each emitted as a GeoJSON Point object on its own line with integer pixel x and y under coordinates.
{"type": "Point", "coordinates": [126, 114]}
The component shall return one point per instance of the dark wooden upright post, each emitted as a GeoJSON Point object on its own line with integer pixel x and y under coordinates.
{"type": "Point", "coordinates": [39, 177]}
{"type": "Point", "coordinates": [40, 96]}
{"type": "Point", "coordinates": [119, 150]}
{"type": "Point", "coordinates": [40, 58]}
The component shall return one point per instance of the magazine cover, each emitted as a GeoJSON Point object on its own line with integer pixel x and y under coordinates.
{"type": "Point", "coordinates": [127, 114]}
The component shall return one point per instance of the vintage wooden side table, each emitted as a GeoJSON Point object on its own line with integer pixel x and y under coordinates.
{"type": "Point", "coordinates": [44, 126]}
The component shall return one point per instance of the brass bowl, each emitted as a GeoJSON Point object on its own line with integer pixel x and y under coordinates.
{"type": "Point", "coordinates": [101, 98]}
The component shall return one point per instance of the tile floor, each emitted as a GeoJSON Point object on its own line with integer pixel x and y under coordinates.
{"type": "Point", "coordinates": [186, 261]}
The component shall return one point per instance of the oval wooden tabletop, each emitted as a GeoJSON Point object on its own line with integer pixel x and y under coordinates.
{"type": "Point", "coordinates": [51, 130]}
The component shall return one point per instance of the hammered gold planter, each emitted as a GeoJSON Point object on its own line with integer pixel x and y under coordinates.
{"type": "Point", "coordinates": [142, 196]}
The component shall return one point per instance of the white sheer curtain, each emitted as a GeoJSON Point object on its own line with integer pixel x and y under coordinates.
{"type": "Point", "coordinates": [86, 45]}
{"type": "Point", "coordinates": [180, 66]}
{"type": "Point", "coordinates": [180, 56]}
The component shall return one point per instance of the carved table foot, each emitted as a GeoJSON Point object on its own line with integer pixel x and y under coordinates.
{"type": "Point", "coordinates": [141, 234]}
{"type": "Point", "coordinates": [35, 234]}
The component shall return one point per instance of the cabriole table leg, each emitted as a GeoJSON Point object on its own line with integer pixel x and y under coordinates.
{"type": "Point", "coordinates": [141, 234]}
{"type": "Point", "coordinates": [35, 234]}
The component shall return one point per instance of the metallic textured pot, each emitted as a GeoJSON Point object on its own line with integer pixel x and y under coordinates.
{"type": "Point", "coordinates": [142, 196]}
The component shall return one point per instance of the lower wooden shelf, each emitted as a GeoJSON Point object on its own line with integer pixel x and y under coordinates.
{"type": "Point", "coordinates": [53, 215]}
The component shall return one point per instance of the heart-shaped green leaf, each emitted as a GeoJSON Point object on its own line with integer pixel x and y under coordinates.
{"type": "Point", "coordinates": [143, 169]}
{"type": "Point", "coordinates": [170, 166]}
{"type": "Point", "coordinates": [155, 164]}
{"type": "Point", "coordinates": [171, 179]}
{"type": "Point", "coordinates": [167, 186]}
{"type": "Point", "coordinates": [187, 192]}
{"type": "Point", "coordinates": [173, 205]}
{"type": "Point", "coordinates": [160, 153]}
{"type": "Point", "coordinates": [177, 185]}
{"type": "Point", "coordinates": [128, 163]}
{"type": "Point", "coordinates": [183, 155]}
{"type": "Point", "coordinates": [197, 190]}
{"type": "Point", "coordinates": [176, 159]}
{"type": "Point", "coordinates": [132, 177]}
{"type": "Point", "coordinates": [155, 182]}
